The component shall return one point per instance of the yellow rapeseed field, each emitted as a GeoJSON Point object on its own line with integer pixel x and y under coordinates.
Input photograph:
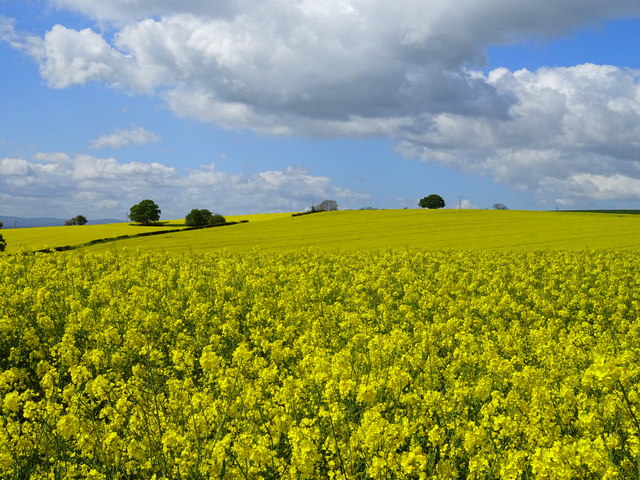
{"type": "Point", "coordinates": [388, 364]}
{"type": "Point", "coordinates": [30, 239]}
{"type": "Point", "coordinates": [402, 229]}
{"type": "Point", "coordinates": [355, 231]}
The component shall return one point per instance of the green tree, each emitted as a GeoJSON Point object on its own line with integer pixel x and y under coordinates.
{"type": "Point", "coordinates": [432, 201]}
{"type": "Point", "coordinates": [145, 212]}
{"type": "Point", "coordinates": [3, 242]}
{"type": "Point", "coordinates": [216, 219]}
{"type": "Point", "coordinates": [198, 217]}
{"type": "Point", "coordinates": [77, 220]}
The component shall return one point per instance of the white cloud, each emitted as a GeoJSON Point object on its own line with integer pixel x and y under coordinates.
{"type": "Point", "coordinates": [403, 69]}
{"type": "Point", "coordinates": [307, 60]}
{"type": "Point", "coordinates": [16, 167]}
{"type": "Point", "coordinates": [122, 12]}
{"type": "Point", "coordinates": [466, 204]}
{"type": "Point", "coordinates": [565, 124]}
{"type": "Point", "coordinates": [603, 187]}
{"type": "Point", "coordinates": [122, 138]}
{"type": "Point", "coordinates": [29, 44]}
{"type": "Point", "coordinates": [73, 57]}
{"type": "Point", "coordinates": [57, 184]}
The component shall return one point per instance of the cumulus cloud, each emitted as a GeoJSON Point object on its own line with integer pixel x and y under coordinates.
{"type": "Point", "coordinates": [309, 60]}
{"type": "Point", "coordinates": [57, 184]}
{"type": "Point", "coordinates": [122, 138]}
{"type": "Point", "coordinates": [406, 70]}
{"type": "Point", "coordinates": [15, 167]}
{"type": "Point", "coordinates": [570, 132]}
{"type": "Point", "coordinates": [125, 11]}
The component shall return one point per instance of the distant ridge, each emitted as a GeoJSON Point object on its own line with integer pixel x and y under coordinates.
{"type": "Point", "coordinates": [23, 222]}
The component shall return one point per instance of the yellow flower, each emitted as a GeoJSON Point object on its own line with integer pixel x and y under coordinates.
{"type": "Point", "coordinates": [11, 402]}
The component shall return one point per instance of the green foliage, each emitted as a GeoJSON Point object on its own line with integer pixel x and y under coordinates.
{"type": "Point", "coordinates": [77, 220]}
{"type": "Point", "coordinates": [145, 212]}
{"type": "Point", "coordinates": [198, 217]}
{"type": "Point", "coordinates": [3, 242]}
{"type": "Point", "coordinates": [432, 201]}
{"type": "Point", "coordinates": [216, 219]}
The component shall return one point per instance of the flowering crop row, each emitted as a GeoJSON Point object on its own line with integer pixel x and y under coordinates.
{"type": "Point", "coordinates": [304, 365]}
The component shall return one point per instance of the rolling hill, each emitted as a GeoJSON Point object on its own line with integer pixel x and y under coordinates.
{"type": "Point", "coordinates": [360, 230]}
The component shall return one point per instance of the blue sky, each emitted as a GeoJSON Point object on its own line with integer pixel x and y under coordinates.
{"type": "Point", "coordinates": [245, 109]}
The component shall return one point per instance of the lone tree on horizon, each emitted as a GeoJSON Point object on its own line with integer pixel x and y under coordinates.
{"type": "Point", "coordinates": [145, 212]}
{"type": "Point", "coordinates": [432, 201]}
{"type": "Point", "coordinates": [77, 220]}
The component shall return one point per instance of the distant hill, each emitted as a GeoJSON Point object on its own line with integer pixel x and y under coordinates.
{"type": "Point", "coordinates": [23, 222]}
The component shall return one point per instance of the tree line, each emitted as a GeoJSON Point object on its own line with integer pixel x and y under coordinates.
{"type": "Point", "coordinates": [148, 212]}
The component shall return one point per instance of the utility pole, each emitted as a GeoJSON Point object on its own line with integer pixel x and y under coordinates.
{"type": "Point", "coordinates": [460, 202]}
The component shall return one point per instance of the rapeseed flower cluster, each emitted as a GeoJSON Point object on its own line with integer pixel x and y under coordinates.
{"type": "Point", "coordinates": [303, 365]}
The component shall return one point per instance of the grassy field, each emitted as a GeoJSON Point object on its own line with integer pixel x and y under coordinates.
{"type": "Point", "coordinates": [413, 229]}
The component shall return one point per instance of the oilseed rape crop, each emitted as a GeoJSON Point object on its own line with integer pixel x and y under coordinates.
{"type": "Point", "coordinates": [352, 230]}
{"type": "Point", "coordinates": [303, 365]}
